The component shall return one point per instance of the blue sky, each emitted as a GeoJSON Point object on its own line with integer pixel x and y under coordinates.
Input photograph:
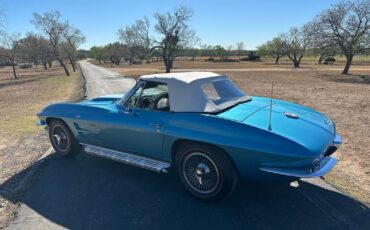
{"type": "Point", "coordinates": [216, 22]}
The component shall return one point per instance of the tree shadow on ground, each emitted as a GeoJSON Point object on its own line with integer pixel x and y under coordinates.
{"type": "Point", "coordinates": [92, 193]}
{"type": "Point", "coordinates": [348, 78]}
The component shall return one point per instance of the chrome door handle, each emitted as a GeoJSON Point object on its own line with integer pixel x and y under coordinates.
{"type": "Point", "coordinates": [156, 125]}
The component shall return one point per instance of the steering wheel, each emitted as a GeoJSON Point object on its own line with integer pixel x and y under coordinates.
{"type": "Point", "coordinates": [146, 102]}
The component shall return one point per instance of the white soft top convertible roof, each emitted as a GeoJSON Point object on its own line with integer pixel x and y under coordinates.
{"type": "Point", "coordinates": [186, 94]}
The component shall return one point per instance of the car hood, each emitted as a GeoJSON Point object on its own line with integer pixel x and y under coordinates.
{"type": "Point", "coordinates": [102, 100]}
{"type": "Point", "coordinates": [293, 121]}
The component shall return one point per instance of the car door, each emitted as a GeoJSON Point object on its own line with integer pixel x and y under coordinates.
{"type": "Point", "coordinates": [134, 129]}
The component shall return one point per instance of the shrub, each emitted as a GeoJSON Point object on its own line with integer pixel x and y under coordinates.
{"type": "Point", "coordinates": [210, 59]}
{"type": "Point", "coordinates": [25, 66]}
{"type": "Point", "coordinates": [329, 60]}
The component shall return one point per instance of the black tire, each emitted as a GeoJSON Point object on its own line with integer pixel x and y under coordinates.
{"type": "Point", "coordinates": [206, 172]}
{"type": "Point", "coordinates": [62, 139]}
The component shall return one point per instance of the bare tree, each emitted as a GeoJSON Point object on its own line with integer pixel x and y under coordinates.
{"type": "Point", "coordinates": [210, 52]}
{"type": "Point", "coordinates": [347, 24]}
{"type": "Point", "coordinates": [137, 34]}
{"type": "Point", "coordinates": [324, 51]}
{"type": "Point", "coordinates": [275, 48]}
{"type": "Point", "coordinates": [173, 29]}
{"type": "Point", "coordinates": [73, 38]}
{"type": "Point", "coordinates": [296, 42]}
{"type": "Point", "coordinates": [50, 25]}
{"type": "Point", "coordinates": [219, 51]}
{"type": "Point", "coordinates": [240, 46]}
{"type": "Point", "coordinates": [9, 43]}
{"type": "Point", "coordinates": [35, 49]}
{"type": "Point", "coordinates": [114, 52]}
{"type": "Point", "coordinates": [137, 38]}
{"type": "Point", "coordinates": [28, 49]}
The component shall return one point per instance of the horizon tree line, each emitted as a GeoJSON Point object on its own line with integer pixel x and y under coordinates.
{"type": "Point", "coordinates": [343, 28]}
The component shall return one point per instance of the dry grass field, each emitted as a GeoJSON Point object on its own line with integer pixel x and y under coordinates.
{"type": "Point", "coordinates": [21, 141]}
{"type": "Point", "coordinates": [344, 98]}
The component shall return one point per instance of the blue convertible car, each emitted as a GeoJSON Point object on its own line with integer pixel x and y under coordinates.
{"type": "Point", "coordinates": [201, 124]}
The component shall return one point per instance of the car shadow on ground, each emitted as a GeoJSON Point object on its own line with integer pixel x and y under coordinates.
{"type": "Point", "coordinates": [92, 193]}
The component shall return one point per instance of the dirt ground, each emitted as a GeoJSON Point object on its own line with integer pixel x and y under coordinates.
{"type": "Point", "coordinates": [21, 141]}
{"type": "Point", "coordinates": [344, 98]}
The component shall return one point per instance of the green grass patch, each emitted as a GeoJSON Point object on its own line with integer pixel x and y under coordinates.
{"type": "Point", "coordinates": [21, 102]}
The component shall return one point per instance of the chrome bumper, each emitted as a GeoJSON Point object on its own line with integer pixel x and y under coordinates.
{"type": "Point", "coordinates": [42, 123]}
{"type": "Point", "coordinates": [337, 141]}
{"type": "Point", "coordinates": [323, 167]}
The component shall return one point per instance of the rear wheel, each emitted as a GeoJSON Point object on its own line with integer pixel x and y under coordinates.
{"type": "Point", "coordinates": [206, 172]}
{"type": "Point", "coordinates": [62, 139]}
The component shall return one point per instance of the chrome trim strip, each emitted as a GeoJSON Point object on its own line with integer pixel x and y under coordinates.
{"type": "Point", "coordinates": [327, 164]}
{"type": "Point", "coordinates": [139, 161]}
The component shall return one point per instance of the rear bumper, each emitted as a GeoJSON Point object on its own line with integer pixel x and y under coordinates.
{"type": "Point", "coordinates": [320, 169]}
{"type": "Point", "coordinates": [337, 141]}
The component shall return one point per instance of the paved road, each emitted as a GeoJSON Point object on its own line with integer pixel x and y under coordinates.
{"type": "Point", "coordinates": [92, 193]}
{"type": "Point", "coordinates": [101, 81]}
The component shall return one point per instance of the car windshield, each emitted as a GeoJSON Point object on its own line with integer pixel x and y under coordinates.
{"type": "Point", "coordinates": [222, 91]}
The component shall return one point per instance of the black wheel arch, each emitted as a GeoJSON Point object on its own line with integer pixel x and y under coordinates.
{"type": "Point", "coordinates": [180, 142]}
{"type": "Point", "coordinates": [49, 120]}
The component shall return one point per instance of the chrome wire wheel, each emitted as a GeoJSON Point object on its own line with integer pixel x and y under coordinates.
{"type": "Point", "coordinates": [60, 138]}
{"type": "Point", "coordinates": [201, 173]}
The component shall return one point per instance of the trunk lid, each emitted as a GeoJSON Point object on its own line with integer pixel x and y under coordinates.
{"type": "Point", "coordinates": [293, 121]}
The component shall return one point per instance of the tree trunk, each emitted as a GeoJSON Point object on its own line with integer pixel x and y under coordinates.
{"type": "Point", "coordinates": [320, 59]}
{"type": "Point", "coordinates": [50, 64]}
{"type": "Point", "coordinates": [277, 59]}
{"type": "Point", "coordinates": [168, 68]}
{"type": "Point", "coordinates": [14, 73]}
{"type": "Point", "coordinates": [348, 63]}
{"type": "Point", "coordinates": [171, 63]}
{"type": "Point", "coordinates": [73, 64]}
{"type": "Point", "coordinates": [74, 67]}
{"type": "Point", "coordinates": [296, 63]}
{"type": "Point", "coordinates": [45, 66]}
{"type": "Point", "coordinates": [167, 64]}
{"type": "Point", "coordinates": [64, 67]}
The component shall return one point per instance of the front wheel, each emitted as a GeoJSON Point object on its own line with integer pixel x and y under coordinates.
{"type": "Point", "coordinates": [206, 172]}
{"type": "Point", "coordinates": [62, 139]}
